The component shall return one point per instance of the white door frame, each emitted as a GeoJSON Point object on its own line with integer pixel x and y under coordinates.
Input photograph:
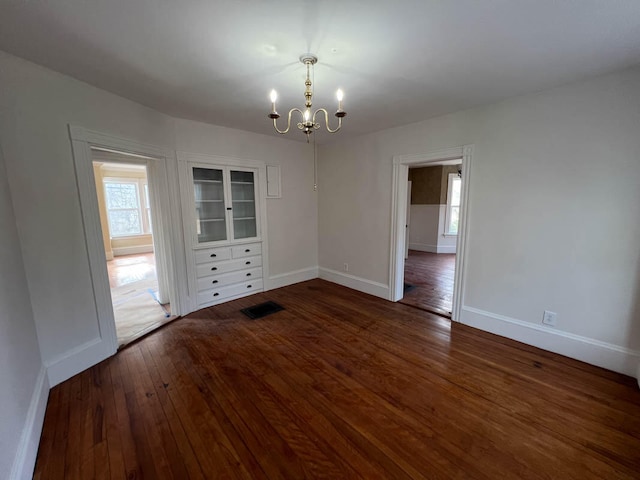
{"type": "Point", "coordinates": [163, 167]}
{"type": "Point", "coordinates": [399, 207]}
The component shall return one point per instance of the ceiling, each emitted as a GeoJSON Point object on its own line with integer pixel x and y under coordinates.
{"type": "Point", "coordinates": [397, 61]}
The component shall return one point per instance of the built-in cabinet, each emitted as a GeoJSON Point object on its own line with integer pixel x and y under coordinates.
{"type": "Point", "coordinates": [223, 218]}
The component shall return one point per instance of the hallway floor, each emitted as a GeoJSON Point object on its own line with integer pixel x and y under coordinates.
{"type": "Point", "coordinates": [431, 275]}
{"type": "Point", "coordinates": [134, 293]}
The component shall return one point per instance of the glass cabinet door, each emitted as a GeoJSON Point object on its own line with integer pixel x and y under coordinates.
{"type": "Point", "coordinates": [243, 204]}
{"type": "Point", "coordinates": [208, 187]}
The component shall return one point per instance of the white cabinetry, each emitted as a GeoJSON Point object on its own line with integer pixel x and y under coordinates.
{"type": "Point", "coordinates": [223, 223]}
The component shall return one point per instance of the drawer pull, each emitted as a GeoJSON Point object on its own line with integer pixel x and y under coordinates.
{"type": "Point", "coordinates": [213, 255]}
{"type": "Point", "coordinates": [247, 263]}
{"type": "Point", "coordinates": [214, 268]}
{"type": "Point", "coordinates": [248, 274]}
{"type": "Point", "coordinates": [248, 286]}
{"type": "Point", "coordinates": [247, 250]}
{"type": "Point", "coordinates": [216, 294]}
{"type": "Point", "coordinates": [214, 281]}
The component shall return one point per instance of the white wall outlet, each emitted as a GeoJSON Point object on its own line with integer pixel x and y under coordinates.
{"type": "Point", "coordinates": [346, 267]}
{"type": "Point", "coordinates": [550, 318]}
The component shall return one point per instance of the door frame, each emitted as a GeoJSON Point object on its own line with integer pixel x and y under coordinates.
{"type": "Point", "coordinates": [161, 165]}
{"type": "Point", "coordinates": [399, 207]}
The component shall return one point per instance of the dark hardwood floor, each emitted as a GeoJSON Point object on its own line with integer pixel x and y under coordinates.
{"type": "Point", "coordinates": [431, 275]}
{"type": "Point", "coordinates": [338, 385]}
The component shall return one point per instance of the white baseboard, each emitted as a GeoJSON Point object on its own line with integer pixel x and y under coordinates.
{"type": "Point", "coordinates": [423, 247]}
{"type": "Point", "coordinates": [120, 251]}
{"type": "Point", "coordinates": [25, 459]}
{"type": "Point", "coordinates": [356, 283]}
{"type": "Point", "coordinates": [74, 361]}
{"type": "Point", "coordinates": [289, 278]}
{"type": "Point", "coordinates": [603, 354]}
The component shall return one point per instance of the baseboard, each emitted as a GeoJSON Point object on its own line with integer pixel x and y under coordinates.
{"type": "Point", "coordinates": [120, 251]}
{"type": "Point", "coordinates": [356, 283]}
{"type": "Point", "coordinates": [25, 459]}
{"type": "Point", "coordinates": [595, 352]}
{"type": "Point", "coordinates": [423, 247]}
{"type": "Point", "coordinates": [446, 249]}
{"type": "Point", "coordinates": [74, 361]}
{"type": "Point", "coordinates": [289, 278]}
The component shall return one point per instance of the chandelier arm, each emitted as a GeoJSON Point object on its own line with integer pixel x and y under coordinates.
{"type": "Point", "coordinates": [326, 120]}
{"type": "Point", "coordinates": [288, 121]}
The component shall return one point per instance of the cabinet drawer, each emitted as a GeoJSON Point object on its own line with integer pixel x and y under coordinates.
{"type": "Point", "coordinates": [216, 268]}
{"type": "Point", "coordinates": [213, 254]}
{"type": "Point", "coordinates": [248, 250]}
{"type": "Point", "coordinates": [215, 295]}
{"type": "Point", "coordinates": [207, 283]}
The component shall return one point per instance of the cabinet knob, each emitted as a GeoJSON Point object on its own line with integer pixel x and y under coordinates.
{"type": "Point", "coordinates": [247, 263]}
{"type": "Point", "coordinates": [214, 281]}
{"type": "Point", "coordinates": [247, 250]}
{"type": "Point", "coordinates": [214, 268]}
{"type": "Point", "coordinates": [213, 255]}
{"type": "Point", "coordinates": [248, 274]}
{"type": "Point", "coordinates": [248, 286]}
{"type": "Point", "coordinates": [216, 294]}
{"type": "Point", "coordinates": [228, 208]}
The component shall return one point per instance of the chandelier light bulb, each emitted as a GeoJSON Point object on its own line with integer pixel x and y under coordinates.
{"type": "Point", "coordinates": [339, 94]}
{"type": "Point", "coordinates": [274, 96]}
{"type": "Point", "coordinates": [307, 115]}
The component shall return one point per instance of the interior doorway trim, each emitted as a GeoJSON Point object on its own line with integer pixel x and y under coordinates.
{"type": "Point", "coordinates": [163, 163]}
{"type": "Point", "coordinates": [401, 164]}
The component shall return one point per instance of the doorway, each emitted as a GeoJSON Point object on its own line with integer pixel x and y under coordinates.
{"type": "Point", "coordinates": [139, 297]}
{"type": "Point", "coordinates": [433, 214]}
{"type": "Point", "coordinates": [429, 228]}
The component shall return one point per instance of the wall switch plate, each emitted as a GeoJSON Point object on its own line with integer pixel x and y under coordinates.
{"type": "Point", "coordinates": [550, 318]}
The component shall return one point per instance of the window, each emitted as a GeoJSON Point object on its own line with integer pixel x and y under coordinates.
{"type": "Point", "coordinates": [453, 204]}
{"type": "Point", "coordinates": [128, 208]}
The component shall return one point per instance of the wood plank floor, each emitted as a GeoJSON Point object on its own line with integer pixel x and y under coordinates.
{"type": "Point", "coordinates": [432, 276]}
{"type": "Point", "coordinates": [338, 385]}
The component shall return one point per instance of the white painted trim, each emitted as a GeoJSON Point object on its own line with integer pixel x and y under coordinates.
{"type": "Point", "coordinates": [356, 283]}
{"type": "Point", "coordinates": [398, 214]}
{"type": "Point", "coordinates": [289, 278]}
{"type": "Point", "coordinates": [25, 460]}
{"type": "Point", "coordinates": [446, 249]}
{"type": "Point", "coordinates": [595, 352]}
{"type": "Point", "coordinates": [73, 361]}
{"type": "Point", "coordinates": [119, 251]}
{"type": "Point", "coordinates": [82, 140]}
{"type": "Point", "coordinates": [423, 247]}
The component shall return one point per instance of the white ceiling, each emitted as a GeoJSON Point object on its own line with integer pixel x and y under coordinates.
{"type": "Point", "coordinates": [397, 61]}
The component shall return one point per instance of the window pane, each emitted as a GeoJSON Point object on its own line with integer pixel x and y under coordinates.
{"type": "Point", "coordinates": [455, 192]}
{"type": "Point", "coordinates": [121, 195]}
{"type": "Point", "coordinates": [453, 226]}
{"type": "Point", "coordinates": [124, 222]}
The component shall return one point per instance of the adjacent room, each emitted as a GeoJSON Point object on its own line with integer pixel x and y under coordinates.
{"type": "Point", "coordinates": [319, 239]}
{"type": "Point", "coordinates": [122, 191]}
{"type": "Point", "coordinates": [433, 215]}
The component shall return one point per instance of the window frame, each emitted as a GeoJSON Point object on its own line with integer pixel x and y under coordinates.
{"type": "Point", "coordinates": [143, 208]}
{"type": "Point", "coordinates": [452, 177]}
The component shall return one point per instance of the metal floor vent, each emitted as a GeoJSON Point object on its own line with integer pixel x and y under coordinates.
{"type": "Point", "coordinates": [262, 310]}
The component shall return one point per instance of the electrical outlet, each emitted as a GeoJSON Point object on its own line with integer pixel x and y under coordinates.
{"type": "Point", "coordinates": [346, 267]}
{"type": "Point", "coordinates": [550, 318]}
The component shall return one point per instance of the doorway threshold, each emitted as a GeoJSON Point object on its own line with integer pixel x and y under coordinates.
{"type": "Point", "coordinates": [434, 310]}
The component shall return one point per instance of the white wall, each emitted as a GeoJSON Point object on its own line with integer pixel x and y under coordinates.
{"type": "Point", "coordinates": [36, 106]}
{"type": "Point", "coordinates": [423, 227]}
{"type": "Point", "coordinates": [23, 391]}
{"type": "Point", "coordinates": [553, 213]}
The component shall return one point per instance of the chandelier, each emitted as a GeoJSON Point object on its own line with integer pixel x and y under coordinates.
{"type": "Point", "coordinates": [308, 123]}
